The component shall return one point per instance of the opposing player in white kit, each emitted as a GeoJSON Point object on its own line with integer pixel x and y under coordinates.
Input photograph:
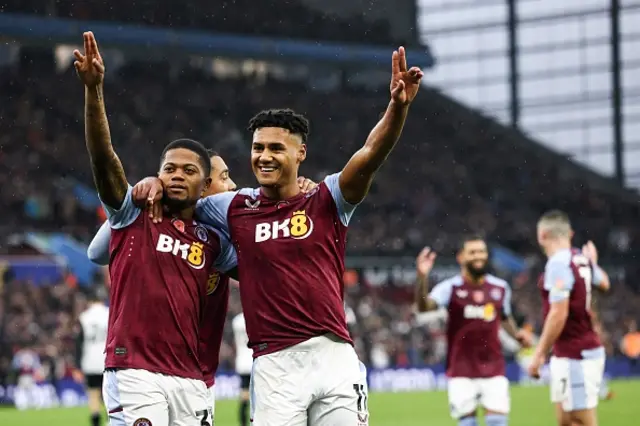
{"type": "Point", "coordinates": [91, 342]}
{"type": "Point", "coordinates": [577, 363]}
{"type": "Point", "coordinates": [244, 363]}
{"type": "Point", "coordinates": [478, 305]}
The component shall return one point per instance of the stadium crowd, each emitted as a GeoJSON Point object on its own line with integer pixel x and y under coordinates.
{"type": "Point", "coordinates": [40, 320]}
{"type": "Point", "coordinates": [284, 18]}
{"type": "Point", "coordinates": [448, 176]}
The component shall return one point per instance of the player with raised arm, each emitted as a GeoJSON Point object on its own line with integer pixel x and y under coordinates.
{"type": "Point", "coordinates": [577, 364]}
{"type": "Point", "coordinates": [215, 310]}
{"type": "Point", "coordinates": [159, 274]}
{"type": "Point", "coordinates": [90, 343]}
{"type": "Point", "coordinates": [244, 364]}
{"type": "Point", "coordinates": [478, 306]}
{"type": "Point", "coordinates": [291, 261]}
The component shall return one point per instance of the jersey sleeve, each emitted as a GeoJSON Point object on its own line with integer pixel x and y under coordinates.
{"type": "Point", "coordinates": [227, 259]}
{"type": "Point", "coordinates": [558, 281]}
{"type": "Point", "coordinates": [345, 209]}
{"type": "Point", "coordinates": [441, 293]}
{"type": "Point", "coordinates": [98, 251]}
{"type": "Point", "coordinates": [213, 210]}
{"type": "Point", "coordinates": [506, 303]}
{"type": "Point", "coordinates": [598, 276]}
{"type": "Point", "coordinates": [125, 215]}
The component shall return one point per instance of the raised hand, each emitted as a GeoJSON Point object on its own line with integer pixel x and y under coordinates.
{"type": "Point", "coordinates": [148, 193]}
{"type": "Point", "coordinates": [404, 83]}
{"type": "Point", "coordinates": [590, 251]}
{"type": "Point", "coordinates": [425, 261]}
{"type": "Point", "coordinates": [90, 67]}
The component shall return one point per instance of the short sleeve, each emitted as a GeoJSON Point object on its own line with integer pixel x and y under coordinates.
{"type": "Point", "coordinates": [98, 251]}
{"type": "Point", "coordinates": [441, 293]}
{"type": "Point", "coordinates": [598, 276]}
{"type": "Point", "coordinates": [506, 302]}
{"type": "Point", "coordinates": [558, 281]}
{"type": "Point", "coordinates": [227, 259]}
{"type": "Point", "coordinates": [213, 210]}
{"type": "Point", "coordinates": [125, 215]}
{"type": "Point", "coordinates": [345, 209]}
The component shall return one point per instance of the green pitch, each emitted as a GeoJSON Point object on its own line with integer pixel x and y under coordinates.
{"type": "Point", "coordinates": [530, 407]}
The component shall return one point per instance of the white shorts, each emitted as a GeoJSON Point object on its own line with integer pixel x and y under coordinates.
{"type": "Point", "coordinates": [141, 398]}
{"type": "Point", "coordinates": [467, 394]}
{"type": "Point", "coordinates": [575, 383]}
{"type": "Point", "coordinates": [211, 397]}
{"type": "Point", "coordinates": [319, 382]}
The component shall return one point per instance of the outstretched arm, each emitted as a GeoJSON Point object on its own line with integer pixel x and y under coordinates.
{"type": "Point", "coordinates": [108, 173]}
{"type": "Point", "coordinates": [357, 175]}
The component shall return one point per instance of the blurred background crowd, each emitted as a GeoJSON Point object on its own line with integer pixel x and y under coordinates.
{"type": "Point", "coordinates": [455, 171]}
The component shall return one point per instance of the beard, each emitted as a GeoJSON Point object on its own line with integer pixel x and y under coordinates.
{"type": "Point", "coordinates": [477, 271]}
{"type": "Point", "coordinates": [176, 205]}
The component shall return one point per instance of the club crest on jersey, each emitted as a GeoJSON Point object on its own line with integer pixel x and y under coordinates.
{"type": "Point", "coordinates": [178, 224]}
{"type": "Point", "coordinates": [192, 253]}
{"type": "Point", "coordinates": [212, 282]}
{"type": "Point", "coordinates": [202, 234]}
{"type": "Point", "coordinates": [251, 205]}
{"type": "Point", "coordinates": [478, 296]}
{"type": "Point", "coordinates": [142, 422]}
{"type": "Point", "coordinates": [495, 294]}
{"type": "Point", "coordinates": [299, 226]}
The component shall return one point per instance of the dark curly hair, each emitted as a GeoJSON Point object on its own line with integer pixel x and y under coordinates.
{"type": "Point", "coordinates": [282, 118]}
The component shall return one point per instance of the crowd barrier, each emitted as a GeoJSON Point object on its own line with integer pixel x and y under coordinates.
{"type": "Point", "coordinates": [68, 393]}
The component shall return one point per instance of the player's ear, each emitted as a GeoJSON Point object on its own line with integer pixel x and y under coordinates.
{"type": "Point", "coordinates": [205, 187]}
{"type": "Point", "coordinates": [302, 153]}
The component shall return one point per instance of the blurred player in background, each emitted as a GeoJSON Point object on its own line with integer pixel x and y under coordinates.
{"type": "Point", "coordinates": [159, 274]}
{"type": "Point", "coordinates": [215, 309]}
{"type": "Point", "coordinates": [306, 371]}
{"type": "Point", "coordinates": [577, 364]}
{"type": "Point", "coordinates": [244, 363]}
{"type": "Point", "coordinates": [478, 306]}
{"type": "Point", "coordinates": [90, 345]}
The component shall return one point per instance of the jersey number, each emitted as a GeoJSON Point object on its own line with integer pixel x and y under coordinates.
{"type": "Point", "coordinates": [204, 417]}
{"type": "Point", "coordinates": [362, 397]}
{"type": "Point", "coordinates": [587, 276]}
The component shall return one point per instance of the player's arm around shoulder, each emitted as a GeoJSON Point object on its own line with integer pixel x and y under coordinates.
{"type": "Point", "coordinates": [214, 209]}
{"type": "Point", "coordinates": [357, 175]}
{"type": "Point", "coordinates": [98, 250]}
{"type": "Point", "coordinates": [438, 297]}
{"type": "Point", "coordinates": [227, 260]}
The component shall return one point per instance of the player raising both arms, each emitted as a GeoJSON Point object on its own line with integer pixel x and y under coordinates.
{"type": "Point", "coordinates": [577, 364]}
{"type": "Point", "coordinates": [215, 310]}
{"type": "Point", "coordinates": [291, 261]}
{"type": "Point", "coordinates": [158, 273]}
{"type": "Point", "coordinates": [478, 305]}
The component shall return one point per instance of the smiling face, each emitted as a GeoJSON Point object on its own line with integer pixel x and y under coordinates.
{"type": "Point", "coordinates": [474, 258]}
{"type": "Point", "coordinates": [276, 155]}
{"type": "Point", "coordinates": [183, 178]}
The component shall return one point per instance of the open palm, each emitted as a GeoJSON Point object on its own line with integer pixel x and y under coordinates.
{"type": "Point", "coordinates": [404, 83]}
{"type": "Point", "coordinates": [90, 67]}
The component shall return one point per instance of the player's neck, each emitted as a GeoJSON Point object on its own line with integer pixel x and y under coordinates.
{"type": "Point", "coordinates": [281, 192]}
{"type": "Point", "coordinates": [184, 214]}
{"type": "Point", "coordinates": [472, 279]}
{"type": "Point", "coordinates": [557, 246]}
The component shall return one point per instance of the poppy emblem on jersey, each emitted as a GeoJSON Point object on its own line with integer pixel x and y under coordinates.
{"type": "Point", "coordinates": [559, 284]}
{"type": "Point", "coordinates": [250, 205]}
{"type": "Point", "coordinates": [462, 294]}
{"type": "Point", "coordinates": [202, 234]}
{"type": "Point", "coordinates": [496, 294]}
{"type": "Point", "coordinates": [178, 224]}
{"type": "Point", "coordinates": [142, 422]}
{"type": "Point", "coordinates": [478, 296]}
{"type": "Point", "coordinates": [281, 204]}
{"type": "Point", "coordinates": [212, 283]}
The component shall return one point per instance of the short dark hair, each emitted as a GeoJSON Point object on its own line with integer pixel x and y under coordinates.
{"type": "Point", "coordinates": [467, 238]}
{"type": "Point", "coordinates": [194, 146]}
{"type": "Point", "coordinates": [212, 153]}
{"type": "Point", "coordinates": [283, 118]}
